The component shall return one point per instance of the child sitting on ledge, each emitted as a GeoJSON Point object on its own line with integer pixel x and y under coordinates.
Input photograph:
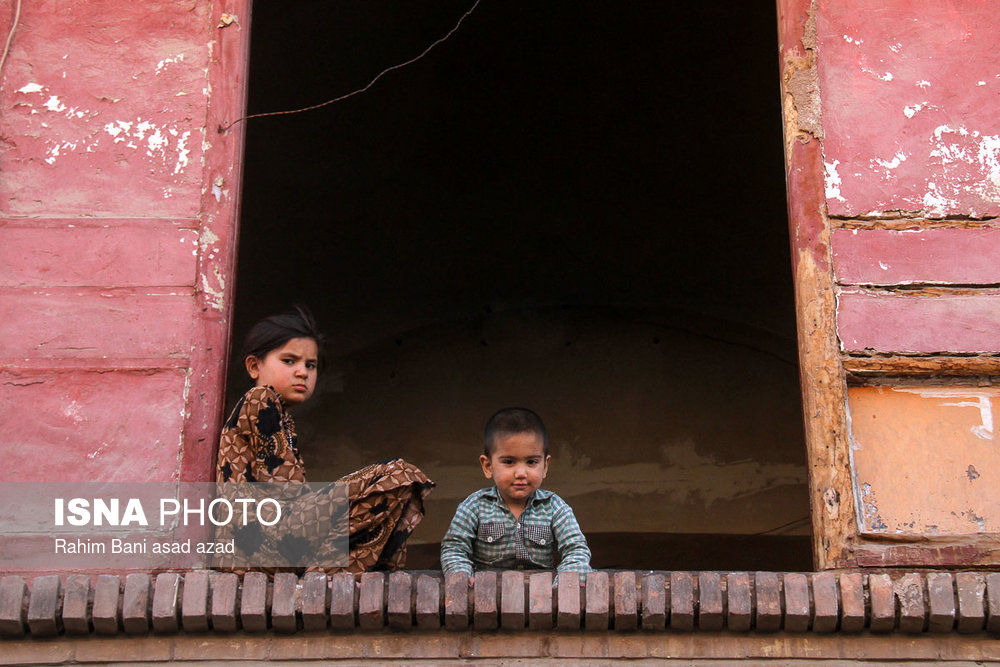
{"type": "Point", "coordinates": [514, 524]}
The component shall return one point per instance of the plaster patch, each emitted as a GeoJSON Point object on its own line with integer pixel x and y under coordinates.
{"type": "Point", "coordinates": [156, 142]}
{"type": "Point", "coordinates": [54, 104]}
{"type": "Point", "coordinates": [182, 152]}
{"type": "Point", "coordinates": [169, 61]}
{"type": "Point", "coordinates": [935, 203]}
{"type": "Point", "coordinates": [833, 181]}
{"type": "Point", "coordinates": [214, 296]}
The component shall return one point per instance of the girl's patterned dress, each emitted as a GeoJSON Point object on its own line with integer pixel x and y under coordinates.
{"type": "Point", "coordinates": [258, 444]}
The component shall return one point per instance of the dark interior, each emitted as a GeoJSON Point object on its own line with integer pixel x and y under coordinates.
{"type": "Point", "coordinates": [557, 156]}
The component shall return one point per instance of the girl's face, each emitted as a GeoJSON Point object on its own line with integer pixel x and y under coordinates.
{"type": "Point", "coordinates": [291, 369]}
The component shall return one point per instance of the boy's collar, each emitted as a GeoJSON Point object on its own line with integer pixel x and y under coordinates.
{"type": "Point", "coordinates": [537, 495]}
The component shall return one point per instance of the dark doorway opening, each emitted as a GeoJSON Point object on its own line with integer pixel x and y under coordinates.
{"type": "Point", "coordinates": [574, 206]}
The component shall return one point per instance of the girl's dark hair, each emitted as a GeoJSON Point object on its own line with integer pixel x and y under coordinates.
{"type": "Point", "coordinates": [272, 332]}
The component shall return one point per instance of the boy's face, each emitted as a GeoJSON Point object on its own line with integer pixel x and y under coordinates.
{"type": "Point", "coordinates": [517, 466]}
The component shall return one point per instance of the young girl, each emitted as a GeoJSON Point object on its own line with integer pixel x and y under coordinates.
{"type": "Point", "coordinates": [258, 443]}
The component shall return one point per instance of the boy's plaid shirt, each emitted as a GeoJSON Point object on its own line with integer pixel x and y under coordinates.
{"type": "Point", "coordinates": [484, 533]}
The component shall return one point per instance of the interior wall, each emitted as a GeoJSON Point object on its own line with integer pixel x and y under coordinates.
{"type": "Point", "coordinates": [573, 206]}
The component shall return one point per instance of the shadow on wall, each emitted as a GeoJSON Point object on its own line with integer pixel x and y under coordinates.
{"type": "Point", "coordinates": [660, 423]}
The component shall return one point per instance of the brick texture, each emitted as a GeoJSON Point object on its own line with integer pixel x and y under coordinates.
{"type": "Point", "coordinates": [654, 602]}
{"type": "Point", "coordinates": [540, 615]}
{"type": "Point", "coordinates": [711, 612]}
{"type": "Point", "coordinates": [43, 610]}
{"type": "Point", "coordinates": [253, 605]}
{"type": "Point", "coordinates": [107, 616]}
{"type": "Point", "coordinates": [225, 588]}
{"type": "Point", "coordinates": [283, 611]}
{"type": "Point", "coordinates": [510, 601]}
{"type": "Point", "coordinates": [136, 603]}
{"type": "Point", "coordinates": [484, 601]}
{"type": "Point", "coordinates": [626, 607]}
{"type": "Point", "coordinates": [13, 596]}
{"type": "Point", "coordinates": [428, 602]}
{"type": "Point", "coordinates": [681, 601]}
{"type": "Point", "coordinates": [768, 588]}
{"type": "Point", "coordinates": [76, 603]}
{"type": "Point", "coordinates": [512, 608]}
{"type": "Point", "coordinates": [971, 601]}
{"type": "Point", "coordinates": [826, 602]}
{"type": "Point", "coordinates": [194, 602]}
{"type": "Point", "coordinates": [797, 604]}
{"type": "Point", "coordinates": [738, 598]}
{"type": "Point", "coordinates": [166, 604]}
{"type": "Point", "coordinates": [568, 600]}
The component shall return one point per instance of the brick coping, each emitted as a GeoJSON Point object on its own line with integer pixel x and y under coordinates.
{"type": "Point", "coordinates": [607, 601]}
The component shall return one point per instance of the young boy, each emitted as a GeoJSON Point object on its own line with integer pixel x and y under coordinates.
{"type": "Point", "coordinates": [514, 524]}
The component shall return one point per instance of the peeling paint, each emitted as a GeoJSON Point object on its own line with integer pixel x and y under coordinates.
{"type": "Point", "coordinates": [54, 104]}
{"type": "Point", "coordinates": [214, 296]}
{"type": "Point", "coordinates": [30, 88]}
{"type": "Point", "coordinates": [981, 401]}
{"type": "Point", "coordinates": [833, 181]}
{"type": "Point", "coordinates": [169, 61]}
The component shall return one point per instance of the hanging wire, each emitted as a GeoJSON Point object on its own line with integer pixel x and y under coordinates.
{"type": "Point", "coordinates": [225, 128]}
{"type": "Point", "coordinates": [10, 36]}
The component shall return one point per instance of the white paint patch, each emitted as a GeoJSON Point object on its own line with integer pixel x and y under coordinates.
{"type": "Point", "coordinates": [923, 83]}
{"type": "Point", "coordinates": [215, 296]}
{"type": "Point", "coordinates": [935, 202]}
{"type": "Point", "coordinates": [853, 40]}
{"type": "Point", "coordinates": [961, 145]}
{"type": "Point", "coordinates": [217, 190]}
{"type": "Point", "coordinates": [910, 111]}
{"type": "Point", "coordinates": [895, 48]}
{"type": "Point", "coordinates": [30, 88]}
{"type": "Point", "coordinates": [980, 83]}
{"type": "Point", "coordinates": [898, 159]}
{"type": "Point", "coordinates": [182, 152]}
{"type": "Point", "coordinates": [882, 265]}
{"type": "Point", "coordinates": [156, 142]}
{"type": "Point", "coordinates": [53, 104]}
{"type": "Point", "coordinates": [169, 61]}
{"type": "Point", "coordinates": [981, 400]}
{"type": "Point", "coordinates": [164, 143]}
{"type": "Point", "coordinates": [833, 181]}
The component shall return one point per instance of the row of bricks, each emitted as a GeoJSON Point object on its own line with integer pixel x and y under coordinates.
{"type": "Point", "coordinates": [966, 602]}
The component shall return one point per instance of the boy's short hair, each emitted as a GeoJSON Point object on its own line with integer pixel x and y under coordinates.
{"type": "Point", "coordinates": [510, 421]}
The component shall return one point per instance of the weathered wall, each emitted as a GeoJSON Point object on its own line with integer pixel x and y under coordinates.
{"type": "Point", "coordinates": [898, 102]}
{"type": "Point", "coordinates": [117, 233]}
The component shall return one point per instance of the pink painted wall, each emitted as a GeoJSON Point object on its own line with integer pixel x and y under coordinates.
{"type": "Point", "coordinates": [911, 153]}
{"type": "Point", "coordinates": [912, 141]}
{"type": "Point", "coordinates": [118, 211]}
{"type": "Point", "coordinates": [910, 113]}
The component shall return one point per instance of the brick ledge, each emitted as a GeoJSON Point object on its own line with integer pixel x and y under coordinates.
{"type": "Point", "coordinates": [617, 601]}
